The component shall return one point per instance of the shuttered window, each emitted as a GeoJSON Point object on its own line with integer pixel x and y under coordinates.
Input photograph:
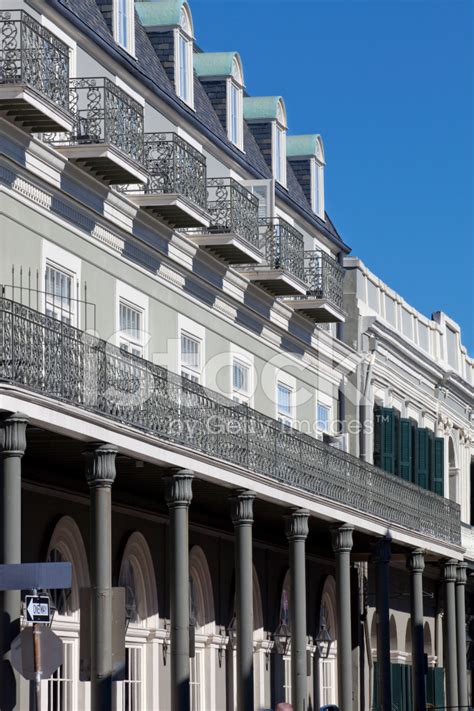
{"type": "Point", "coordinates": [406, 450]}
{"type": "Point", "coordinates": [422, 457]}
{"type": "Point", "coordinates": [437, 471]}
{"type": "Point", "coordinates": [385, 438]}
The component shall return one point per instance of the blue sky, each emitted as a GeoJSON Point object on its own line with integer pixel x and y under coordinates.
{"type": "Point", "coordinates": [390, 86]}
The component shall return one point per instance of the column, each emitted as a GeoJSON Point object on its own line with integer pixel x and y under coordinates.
{"type": "Point", "coordinates": [416, 566]}
{"type": "Point", "coordinates": [382, 605]}
{"type": "Point", "coordinates": [296, 529]}
{"type": "Point", "coordinates": [342, 546]}
{"type": "Point", "coordinates": [100, 475]}
{"type": "Point", "coordinates": [242, 518]}
{"type": "Point", "coordinates": [450, 648]}
{"type": "Point", "coordinates": [461, 580]}
{"type": "Point", "coordinates": [178, 494]}
{"type": "Point", "coordinates": [13, 442]}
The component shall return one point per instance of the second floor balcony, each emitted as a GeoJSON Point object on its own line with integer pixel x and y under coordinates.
{"type": "Point", "coordinates": [67, 367]}
{"type": "Point", "coordinates": [282, 269]}
{"type": "Point", "coordinates": [324, 277]}
{"type": "Point", "coordinates": [175, 189]}
{"type": "Point", "coordinates": [107, 134]}
{"type": "Point", "coordinates": [34, 74]}
{"type": "Point", "coordinates": [232, 233]}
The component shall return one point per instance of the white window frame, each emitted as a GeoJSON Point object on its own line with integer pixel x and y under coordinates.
{"type": "Point", "coordinates": [128, 42]}
{"type": "Point", "coordinates": [279, 156]}
{"type": "Point", "coordinates": [257, 188]}
{"type": "Point", "coordinates": [183, 34]}
{"type": "Point", "coordinates": [323, 401]}
{"type": "Point", "coordinates": [317, 181]}
{"type": "Point", "coordinates": [64, 261]}
{"type": "Point", "coordinates": [238, 394]}
{"type": "Point", "coordinates": [197, 680]}
{"type": "Point", "coordinates": [128, 342]}
{"type": "Point", "coordinates": [70, 639]}
{"type": "Point", "coordinates": [198, 333]}
{"type": "Point", "coordinates": [238, 138]}
{"type": "Point", "coordinates": [285, 417]}
{"type": "Point", "coordinates": [124, 293]}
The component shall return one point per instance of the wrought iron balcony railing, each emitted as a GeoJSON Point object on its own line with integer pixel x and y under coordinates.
{"type": "Point", "coordinates": [174, 166]}
{"type": "Point", "coordinates": [283, 246]}
{"type": "Point", "coordinates": [32, 56]}
{"type": "Point", "coordinates": [103, 114]}
{"type": "Point", "coordinates": [52, 358]}
{"type": "Point", "coordinates": [324, 277]}
{"type": "Point", "coordinates": [233, 209]}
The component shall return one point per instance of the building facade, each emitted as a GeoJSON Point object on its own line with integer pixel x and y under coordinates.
{"type": "Point", "coordinates": [258, 467]}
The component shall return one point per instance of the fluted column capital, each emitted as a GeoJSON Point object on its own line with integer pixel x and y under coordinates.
{"type": "Point", "coordinates": [342, 538]}
{"type": "Point", "coordinates": [13, 435]}
{"type": "Point", "coordinates": [450, 571]}
{"type": "Point", "coordinates": [461, 573]}
{"type": "Point", "coordinates": [241, 506]}
{"type": "Point", "coordinates": [179, 488]}
{"type": "Point", "coordinates": [416, 560]}
{"type": "Point", "coordinates": [382, 550]}
{"type": "Point", "coordinates": [100, 465]}
{"type": "Point", "coordinates": [296, 525]}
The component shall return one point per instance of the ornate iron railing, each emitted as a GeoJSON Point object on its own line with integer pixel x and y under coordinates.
{"type": "Point", "coordinates": [103, 113]}
{"type": "Point", "coordinates": [283, 246]}
{"type": "Point", "coordinates": [31, 55]}
{"type": "Point", "coordinates": [174, 166]}
{"type": "Point", "coordinates": [324, 278]}
{"type": "Point", "coordinates": [51, 357]}
{"type": "Point", "coordinates": [233, 209]}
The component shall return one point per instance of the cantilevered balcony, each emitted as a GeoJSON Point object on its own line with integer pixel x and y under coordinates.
{"type": "Point", "coordinates": [282, 270]}
{"type": "Point", "coordinates": [323, 301]}
{"type": "Point", "coordinates": [176, 186]}
{"type": "Point", "coordinates": [34, 74]}
{"type": "Point", "coordinates": [233, 230]}
{"type": "Point", "coordinates": [64, 367]}
{"type": "Point", "coordinates": [107, 135]}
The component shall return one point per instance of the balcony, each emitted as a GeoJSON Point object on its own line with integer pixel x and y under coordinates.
{"type": "Point", "coordinates": [232, 234]}
{"type": "Point", "coordinates": [54, 360]}
{"type": "Point", "coordinates": [282, 270]}
{"type": "Point", "coordinates": [107, 134]}
{"type": "Point", "coordinates": [176, 186]}
{"type": "Point", "coordinates": [323, 301]}
{"type": "Point", "coordinates": [34, 74]}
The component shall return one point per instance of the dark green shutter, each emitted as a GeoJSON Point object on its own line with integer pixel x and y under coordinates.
{"type": "Point", "coordinates": [423, 457]}
{"type": "Point", "coordinates": [406, 450]}
{"type": "Point", "coordinates": [396, 673]}
{"type": "Point", "coordinates": [435, 686]}
{"type": "Point", "coordinates": [377, 436]}
{"type": "Point", "coordinates": [396, 442]}
{"type": "Point", "coordinates": [437, 469]}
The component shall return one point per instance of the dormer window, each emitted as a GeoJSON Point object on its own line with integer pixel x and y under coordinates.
{"type": "Point", "coordinates": [234, 109]}
{"type": "Point", "coordinates": [279, 145]}
{"type": "Point", "coordinates": [266, 118]}
{"type": "Point", "coordinates": [124, 24]}
{"type": "Point", "coordinates": [184, 58]}
{"type": "Point", "coordinates": [306, 156]}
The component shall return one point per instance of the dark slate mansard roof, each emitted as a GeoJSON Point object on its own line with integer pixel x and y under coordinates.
{"type": "Point", "coordinates": [93, 17]}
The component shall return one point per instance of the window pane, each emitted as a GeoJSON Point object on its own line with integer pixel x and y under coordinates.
{"type": "Point", "coordinates": [183, 69]}
{"type": "Point", "coordinates": [234, 109]}
{"type": "Point", "coordinates": [58, 288]}
{"type": "Point", "coordinates": [316, 188]}
{"type": "Point", "coordinates": [60, 683]}
{"type": "Point", "coordinates": [284, 399]}
{"type": "Point", "coordinates": [278, 154]}
{"type": "Point", "coordinates": [322, 418]}
{"type": "Point", "coordinates": [190, 351]}
{"type": "Point", "coordinates": [132, 686]}
{"type": "Point", "coordinates": [240, 377]}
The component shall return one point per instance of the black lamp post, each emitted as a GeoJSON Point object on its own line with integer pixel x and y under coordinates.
{"type": "Point", "coordinates": [282, 638]}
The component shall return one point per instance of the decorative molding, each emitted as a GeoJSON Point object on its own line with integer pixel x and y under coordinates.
{"type": "Point", "coordinates": [179, 488]}
{"type": "Point", "coordinates": [450, 571]}
{"type": "Point", "coordinates": [296, 525]}
{"type": "Point", "coordinates": [100, 465]}
{"type": "Point", "coordinates": [107, 237]}
{"type": "Point", "coordinates": [416, 561]}
{"type": "Point", "coordinates": [342, 540]}
{"type": "Point", "coordinates": [241, 503]}
{"type": "Point", "coordinates": [32, 192]}
{"type": "Point", "coordinates": [461, 573]}
{"type": "Point", "coordinates": [13, 435]}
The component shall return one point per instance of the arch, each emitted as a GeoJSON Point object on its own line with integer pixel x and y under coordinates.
{"type": "Point", "coordinates": [257, 607]}
{"type": "Point", "coordinates": [281, 112]}
{"type": "Point", "coordinates": [393, 634]}
{"type": "Point", "coordinates": [408, 637]}
{"type": "Point", "coordinates": [67, 540]}
{"type": "Point", "coordinates": [202, 590]}
{"type": "Point", "coordinates": [137, 570]}
{"type": "Point", "coordinates": [237, 69]}
{"type": "Point", "coordinates": [427, 640]}
{"type": "Point", "coordinates": [328, 606]}
{"type": "Point", "coordinates": [186, 20]}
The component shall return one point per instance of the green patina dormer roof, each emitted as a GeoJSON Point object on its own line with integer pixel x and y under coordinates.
{"type": "Point", "coordinates": [309, 144]}
{"type": "Point", "coordinates": [214, 64]}
{"type": "Point", "coordinates": [156, 13]}
{"type": "Point", "coordinates": [261, 107]}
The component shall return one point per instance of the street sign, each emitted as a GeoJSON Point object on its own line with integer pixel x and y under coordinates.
{"type": "Point", "coordinates": [50, 653]}
{"type": "Point", "coordinates": [35, 576]}
{"type": "Point", "coordinates": [37, 608]}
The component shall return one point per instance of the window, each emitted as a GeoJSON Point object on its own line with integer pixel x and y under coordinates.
{"type": "Point", "coordinates": [190, 357]}
{"type": "Point", "coordinates": [240, 381]}
{"type": "Point", "coordinates": [318, 188]}
{"type": "Point", "coordinates": [327, 674]}
{"type": "Point", "coordinates": [322, 418]}
{"type": "Point", "coordinates": [59, 301]}
{"type": "Point", "coordinates": [131, 329]}
{"type": "Point", "coordinates": [132, 685]}
{"type": "Point", "coordinates": [184, 58]}
{"type": "Point", "coordinates": [195, 680]}
{"type": "Point", "coordinates": [234, 114]}
{"type": "Point", "coordinates": [60, 684]}
{"type": "Point", "coordinates": [287, 679]}
{"type": "Point", "coordinates": [279, 144]}
{"type": "Point", "coordinates": [284, 403]}
{"type": "Point", "coordinates": [235, 104]}
{"type": "Point", "coordinates": [124, 24]}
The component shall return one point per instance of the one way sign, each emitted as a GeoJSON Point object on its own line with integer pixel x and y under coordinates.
{"type": "Point", "coordinates": [37, 608]}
